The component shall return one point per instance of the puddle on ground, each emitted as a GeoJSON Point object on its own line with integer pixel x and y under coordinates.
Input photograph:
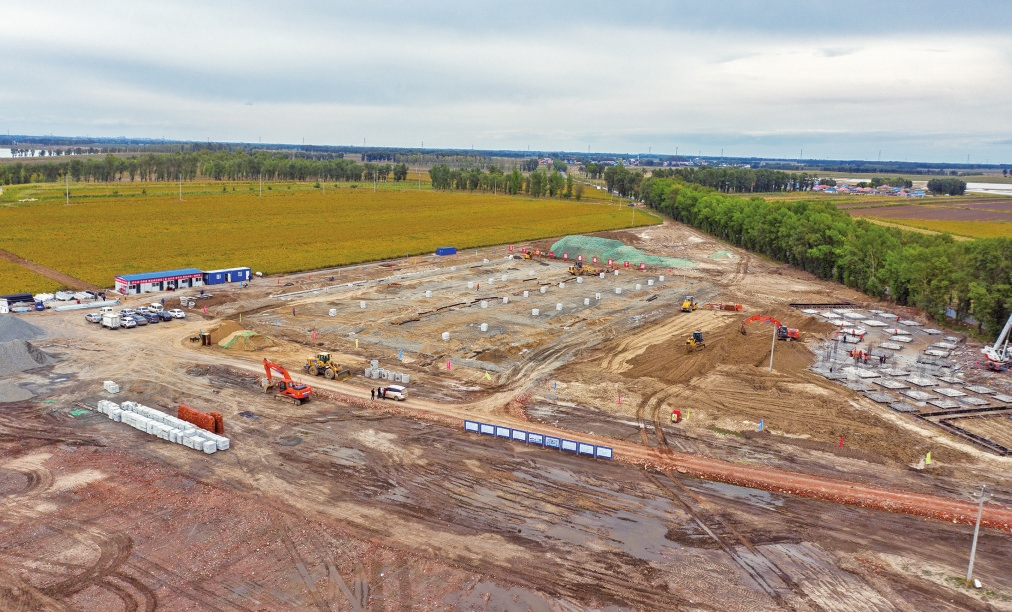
{"type": "Point", "coordinates": [494, 598]}
{"type": "Point", "coordinates": [757, 497]}
{"type": "Point", "coordinates": [351, 457]}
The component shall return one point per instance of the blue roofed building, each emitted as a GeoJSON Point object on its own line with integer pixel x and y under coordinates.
{"type": "Point", "coordinates": [166, 280]}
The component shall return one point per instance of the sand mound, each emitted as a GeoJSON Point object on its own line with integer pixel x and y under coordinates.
{"type": "Point", "coordinates": [18, 356]}
{"type": "Point", "coordinates": [226, 329]}
{"type": "Point", "coordinates": [669, 362]}
{"type": "Point", "coordinates": [13, 328]}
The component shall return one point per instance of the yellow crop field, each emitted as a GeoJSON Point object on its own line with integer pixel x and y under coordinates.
{"type": "Point", "coordinates": [98, 237]}
{"type": "Point", "coordinates": [16, 279]}
{"type": "Point", "coordinates": [972, 229]}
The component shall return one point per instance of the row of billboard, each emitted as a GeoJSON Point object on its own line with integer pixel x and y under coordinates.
{"type": "Point", "coordinates": [530, 437]}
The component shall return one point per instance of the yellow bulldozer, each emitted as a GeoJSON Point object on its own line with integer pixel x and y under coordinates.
{"type": "Point", "coordinates": [689, 304]}
{"type": "Point", "coordinates": [580, 270]}
{"type": "Point", "coordinates": [695, 342]}
{"type": "Point", "coordinates": [324, 364]}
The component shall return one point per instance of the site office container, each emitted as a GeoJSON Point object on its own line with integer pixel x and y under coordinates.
{"type": "Point", "coordinates": [227, 275]}
{"type": "Point", "coordinates": [446, 250]}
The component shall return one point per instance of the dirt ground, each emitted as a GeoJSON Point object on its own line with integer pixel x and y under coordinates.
{"type": "Point", "coordinates": [345, 503]}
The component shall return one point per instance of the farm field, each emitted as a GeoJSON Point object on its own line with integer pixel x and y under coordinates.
{"type": "Point", "coordinates": [976, 217]}
{"type": "Point", "coordinates": [970, 229]}
{"type": "Point", "coordinates": [302, 228]}
{"type": "Point", "coordinates": [16, 279]}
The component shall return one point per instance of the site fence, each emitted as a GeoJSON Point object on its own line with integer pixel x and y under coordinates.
{"type": "Point", "coordinates": [538, 439]}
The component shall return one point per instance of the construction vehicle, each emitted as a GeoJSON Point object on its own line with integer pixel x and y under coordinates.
{"type": "Point", "coordinates": [999, 356]}
{"type": "Point", "coordinates": [286, 389]}
{"type": "Point", "coordinates": [689, 304]}
{"type": "Point", "coordinates": [580, 270]}
{"type": "Point", "coordinates": [676, 415]}
{"type": "Point", "coordinates": [323, 364]}
{"type": "Point", "coordinates": [695, 342]}
{"type": "Point", "coordinates": [723, 306]}
{"type": "Point", "coordinates": [783, 332]}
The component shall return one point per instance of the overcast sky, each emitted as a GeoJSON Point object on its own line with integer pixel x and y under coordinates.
{"type": "Point", "coordinates": [920, 80]}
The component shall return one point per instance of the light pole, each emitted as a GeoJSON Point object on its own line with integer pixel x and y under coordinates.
{"type": "Point", "coordinates": [976, 530]}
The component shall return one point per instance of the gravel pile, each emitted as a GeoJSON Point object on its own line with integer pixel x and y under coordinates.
{"type": "Point", "coordinates": [19, 355]}
{"type": "Point", "coordinates": [14, 328]}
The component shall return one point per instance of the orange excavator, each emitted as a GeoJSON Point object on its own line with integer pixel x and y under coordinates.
{"type": "Point", "coordinates": [287, 389]}
{"type": "Point", "coordinates": [783, 332]}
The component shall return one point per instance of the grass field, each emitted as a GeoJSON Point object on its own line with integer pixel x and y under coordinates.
{"type": "Point", "coordinates": [971, 229]}
{"type": "Point", "coordinates": [16, 279]}
{"type": "Point", "coordinates": [293, 227]}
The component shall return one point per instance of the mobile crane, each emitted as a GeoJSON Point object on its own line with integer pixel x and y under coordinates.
{"type": "Point", "coordinates": [997, 357]}
{"type": "Point", "coordinates": [287, 389]}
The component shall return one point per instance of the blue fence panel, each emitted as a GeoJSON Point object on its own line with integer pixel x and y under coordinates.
{"type": "Point", "coordinates": [603, 452]}
{"type": "Point", "coordinates": [569, 445]}
{"type": "Point", "coordinates": [552, 442]}
{"type": "Point", "coordinates": [471, 426]}
{"type": "Point", "coordinates": [586, 449]}
{"type": "Point", "coordinates": [502, 432]}
{"type": "Point", "coordinates": [487, 429]}
{"type": "Point", "coordinates": [535, 438]}
{"type": "Point", "coordinates": [519, 435]}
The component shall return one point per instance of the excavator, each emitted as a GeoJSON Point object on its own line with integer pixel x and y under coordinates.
{"type": "Point", "coordinates": [783, 332]}
{"type": "Point", "coordinates": [324, 364]}
{"type": "Point", "coordinates": [999, 356]}
{"type": "Point", "coordinates": [287, 389]}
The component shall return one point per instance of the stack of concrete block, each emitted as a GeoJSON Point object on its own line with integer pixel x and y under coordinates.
{"type": "Point", "coordinates": [165, 426]}
{"type": "Point", "coordinates": [110, 386]}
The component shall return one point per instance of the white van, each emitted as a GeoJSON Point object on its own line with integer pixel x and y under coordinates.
{"type": "Point", "coordinates": [156, 306]}
{"type": "Point", "coordinates": [396, 392]}
{"type": "Point", "coordinates": [105, 310]}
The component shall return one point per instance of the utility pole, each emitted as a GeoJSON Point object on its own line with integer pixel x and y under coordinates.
{"type": "Point", "coordinates": [261, 184]}
{"type": "Point", "coordinates": [180, 186]}
{"type": "Point", "coordinates": [773, 345]}
{"type": "Point", "coordinates": [976, 530]}
{"type": "Point", "coordinates": [67, 176]}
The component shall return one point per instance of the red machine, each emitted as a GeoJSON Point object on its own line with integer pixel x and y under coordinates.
{"type": "Point", "coordinates": [676, 416]}
{"type": "Point", "coordinates": [783, 333]}
{"type": "Point", "coordinates": [287, 389]}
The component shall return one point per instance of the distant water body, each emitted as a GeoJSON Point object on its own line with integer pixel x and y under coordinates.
{"type": "Point", "coordinates": [995, 188]}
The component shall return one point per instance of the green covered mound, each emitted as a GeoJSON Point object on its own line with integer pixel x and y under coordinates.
{"type": "Point", "coordinates": [605, 249]}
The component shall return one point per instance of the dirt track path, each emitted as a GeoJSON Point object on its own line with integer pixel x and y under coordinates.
{"type": "Point", "coordinates": [778, 481]}
{"type": "Point", "coordinates": [60, 277]}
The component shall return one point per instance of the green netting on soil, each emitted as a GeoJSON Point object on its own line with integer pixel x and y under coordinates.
{"type": "Point", "coordinates": [228, 342]}
{"type": "Point", "coordinates": [605, 249]}
{"type": "Point", "coordinates": [722, 255]}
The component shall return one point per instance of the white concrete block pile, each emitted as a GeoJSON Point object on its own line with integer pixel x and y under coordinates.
{"type": "Point", "coordinates": [165, 426]}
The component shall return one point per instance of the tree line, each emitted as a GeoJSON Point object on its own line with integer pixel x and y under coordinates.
{"type": "Point", "coordinates": [213, 165]}
{"type": "Point", "coordinates": [931, 272]}
{"type": "Point", "coordinates": [538, 183]}
{"type": "Point", "coordinates": [947, 186]}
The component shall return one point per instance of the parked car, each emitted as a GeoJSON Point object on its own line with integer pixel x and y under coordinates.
{"type": "Point", "coordinates": [157, 307]}
{"type": "Point", "coordinates": [127, 322]}
{"type": "Point", "coordinates": [127, 312]}
{"type": "Point", "coordinates": [151, 317]}
{"type": "Point", "coordinates": [93, 317]}
{"type": "Point", "coordinates": [396, 392]}
{"type": "Point", "coordinates": [177, 313]}
{"type": "Point", "coordinates": [164, 315]}
{"type": "Point", "coordinates": [138, 319]}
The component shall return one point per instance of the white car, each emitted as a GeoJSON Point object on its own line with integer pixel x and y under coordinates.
{"type": "Point", "coordinates": [127, 322]}
{"type": "Point", "coordinates": [395, 392]}
{"type": "Point", "coordinates": [177, 313]}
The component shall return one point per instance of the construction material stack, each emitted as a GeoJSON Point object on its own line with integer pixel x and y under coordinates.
{"type": "Point", "coordinates": [165, 426]}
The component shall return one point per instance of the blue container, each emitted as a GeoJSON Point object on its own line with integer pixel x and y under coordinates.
{"type": "Point", "coordinates": [446, 251]}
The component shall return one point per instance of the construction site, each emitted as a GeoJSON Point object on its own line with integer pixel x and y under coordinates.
{"type": "Point", "coordinates": [759, 440]}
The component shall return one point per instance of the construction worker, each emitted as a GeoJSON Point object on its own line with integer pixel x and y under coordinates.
{"type": "Point", "coordinates": [372, 394]}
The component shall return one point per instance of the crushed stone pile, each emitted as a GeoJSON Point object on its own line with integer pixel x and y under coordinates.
{"type": "Point", "coordinates": [20, 355]}
{"type": "Point", "coordinates": [15, 328]}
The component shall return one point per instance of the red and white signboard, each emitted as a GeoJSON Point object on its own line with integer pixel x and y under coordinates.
{"type": "Point", "coordinates": [537, 252]}
{"type": "Point", "coordinates": [594, 260]}
{"type": "Point", "coordinates": [523, 249]}
{"type": "Point", "coordinates": [579, 258]}
{"type": "Point", "coordinates": [611, 262]}
{"type": "Point", "coordinates": [511, 248]}
{"type": "Point", "coordinates": [565, 255]}
{"type": "Point", "coordinates": [551, 254]}
{"type": "Point", "coordinates": [627, 264]}
{"type": "Point", "coordinates": [643, 266]}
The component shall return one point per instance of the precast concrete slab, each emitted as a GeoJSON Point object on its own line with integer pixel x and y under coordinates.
{"type": "Point", "coordinates": [1001, 397]}
{"type": "Point", "coordinates": [933, 332]}
{"type": "Point", "coordinates": [981, 389]}
{"type": "Point", "coordinates": [919, 396]}
{"type": "Point", "coordinates": [892, 346]}
{"type": "Point", "coordinates": [881, 398]}
{"type": "Point", "coordinates": [889, 383]}
{"type": "Point", "coordinates": [974, 401]}
{"type": "Point", "coordinates": [943, 403]}
{"type": "Point", "coordinates": [949, 392]}
{"type": "Point", "coordinates": [868, 374]}
{"type": "Point", "coordinates": [936, 353]}
{"type": "Point", "coordinates": [873, 323]}
{"type": "Point", "coordinates": [922, 381]}
{"type": "Point", "coordinates": [952, 380]}
{"type": "Point", "coordinates": [903, 339]}
{"type": "Point", "coordinates": [910, 323]}
{"type": "Point", "coordinates": [944, 345]}
{"type": "Point", "coordinates": [904, 407]}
